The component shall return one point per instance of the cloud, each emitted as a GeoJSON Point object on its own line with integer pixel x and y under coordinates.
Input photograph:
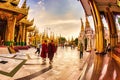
{"type": "Point", "coordinates": [62, 16]}
{"type": "Point", "coordinates": [66, 25]}
{"type": "Point", "coordinates": [40, 2]}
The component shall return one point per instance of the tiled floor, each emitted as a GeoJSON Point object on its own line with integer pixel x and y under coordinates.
{"type": "Point", "coordinates": [66, 65]}
{"type": "Point", "coordinates": [10, 65]}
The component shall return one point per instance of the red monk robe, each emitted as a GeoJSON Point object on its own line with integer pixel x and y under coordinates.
{"type": "Point", "coordinates": [44, 50]}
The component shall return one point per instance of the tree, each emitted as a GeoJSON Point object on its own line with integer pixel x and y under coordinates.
{"type": "Point", "coordinates": [76, 41]}
{"type": "Point", "coordinates": [62, 40]}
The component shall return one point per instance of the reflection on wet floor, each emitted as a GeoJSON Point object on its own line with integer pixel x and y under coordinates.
{"type": "Point", "coordinates": [102, 67]}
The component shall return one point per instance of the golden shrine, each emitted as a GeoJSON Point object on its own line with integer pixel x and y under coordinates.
{"type": "Point", "coordinates": [35, 37]}
{"type": "Point", "coordinates": [13, 22]}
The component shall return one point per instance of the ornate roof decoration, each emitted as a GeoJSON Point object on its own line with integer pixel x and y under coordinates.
{"type": "Point", "coordinates": [82, 26]}
{"type": "Point", "coordinates": [11, 7]}
{"type": "Point", "coordinates": [30, 29]}
{"type": "Point", "coordinates": [87, 24]}
{"type": "Point", "coordinates": [24, 4]}
{"type": "Point", "coordinates": [27, 22]}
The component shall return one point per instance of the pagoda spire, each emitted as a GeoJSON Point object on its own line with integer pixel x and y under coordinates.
{"type": "Point", "coordinates": [82, 26]}
{"type": "Point", "coordinates": [87, 24]}
{"type": "Point", "coordinates": [24, 4]}
{"type": "Point", "coordinates": [28, 8]}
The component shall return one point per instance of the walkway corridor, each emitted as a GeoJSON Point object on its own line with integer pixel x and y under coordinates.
{"type": "Point", "coordinates": [26, 65]}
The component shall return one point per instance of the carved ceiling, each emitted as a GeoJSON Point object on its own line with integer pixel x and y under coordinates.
{"type": "Point", "coordinates": [101, 4]}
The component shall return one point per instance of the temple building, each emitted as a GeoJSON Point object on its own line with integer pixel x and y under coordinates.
{"type": "Point", "coordinates": [89, 36]}
{"type": "Point", "coordinates": [81, 35]}
{"type": "Point", "coordinates": [13, 22]}
{"type": "Point", "coordinates": [86, 36]}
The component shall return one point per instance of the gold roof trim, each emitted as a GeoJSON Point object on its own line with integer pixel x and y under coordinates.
{"type": "Point", "coordinates": [30, 29]}
{"type": "Point", "coordinates": [27, 22]}
{"type": "Point", "coordinates": [10, 8]}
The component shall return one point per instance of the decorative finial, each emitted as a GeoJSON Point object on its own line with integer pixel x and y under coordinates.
{"type": "Point", "coordinates": [24, 4]}
{"type": "Point", "coordinates": [82, 26]}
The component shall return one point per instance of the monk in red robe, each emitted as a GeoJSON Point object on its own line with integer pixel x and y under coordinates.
{"type": "Point", "coordinates": [44, 51]}
{"type": "Point", "coordinates": [51, 51]}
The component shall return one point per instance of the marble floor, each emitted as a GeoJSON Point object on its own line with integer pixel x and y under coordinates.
{"type": "Point", "coordinates": [26, 65]}
{"type": "Point", "coordinates": [4, 50]}
{"type": "Point", "coordinates": [102, 67]}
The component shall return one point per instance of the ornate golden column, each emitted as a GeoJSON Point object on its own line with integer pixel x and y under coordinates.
{"type": "Point", "coordinates": [26, 35]}
{"type": "Point", "coordinates": [99, 32]}
{"type": "Point", "coordinates": [19, 37]}
{"type": "Point", "coordinates": [10, 30]}
{"type": "Point", "coordinates": [99, 29]}
{"type": "Point", "coordinates": [96, 29]}
{"type": "Point", "coordinates": [112, 28]}
{"type": "Point", "coordinates": [23, 35]}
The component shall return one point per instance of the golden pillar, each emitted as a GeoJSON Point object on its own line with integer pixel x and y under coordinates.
{"type": "Point", "coordinates": [26, 35]}
{"type": "Point", "coordinates": [10, 30]}
{"type": "Point", "coordinates": [99, 36]}
{"type": "Point", "coordinates": [112, 27]}
{"type": "Point", "coordinates": [99, 29]}
{"type": "Point", "coordinates": [23, 35]}
{"type": "Point", "coordinates": [96, 29]}
{"type": "Point", "coordinates": [19, 37]}
{"type": "Point", "coordinates": [99, 33]}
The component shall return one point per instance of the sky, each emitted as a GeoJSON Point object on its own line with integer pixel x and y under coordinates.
{"type": "Point", "coordinates": [59, 16]}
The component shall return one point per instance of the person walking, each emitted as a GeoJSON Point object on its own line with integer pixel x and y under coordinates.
{"type": "Point", "coordinates": [44, 52]}
{"type": "Point", "coordinates": [81, 50]}
{"type": "Point", "coordinates": [38, 48]}
{"type": "Point", "coordinates": [51, 51]}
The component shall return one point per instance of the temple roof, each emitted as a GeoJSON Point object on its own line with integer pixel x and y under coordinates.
{"type": "Point", "coordinates": [27, 22]}
{"type": "Point", "coordinates": [102, 4]}
{"type": "Point", "coordinates": [30, 29]}
{"type": "Point", "coordinates": [12, 7]}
